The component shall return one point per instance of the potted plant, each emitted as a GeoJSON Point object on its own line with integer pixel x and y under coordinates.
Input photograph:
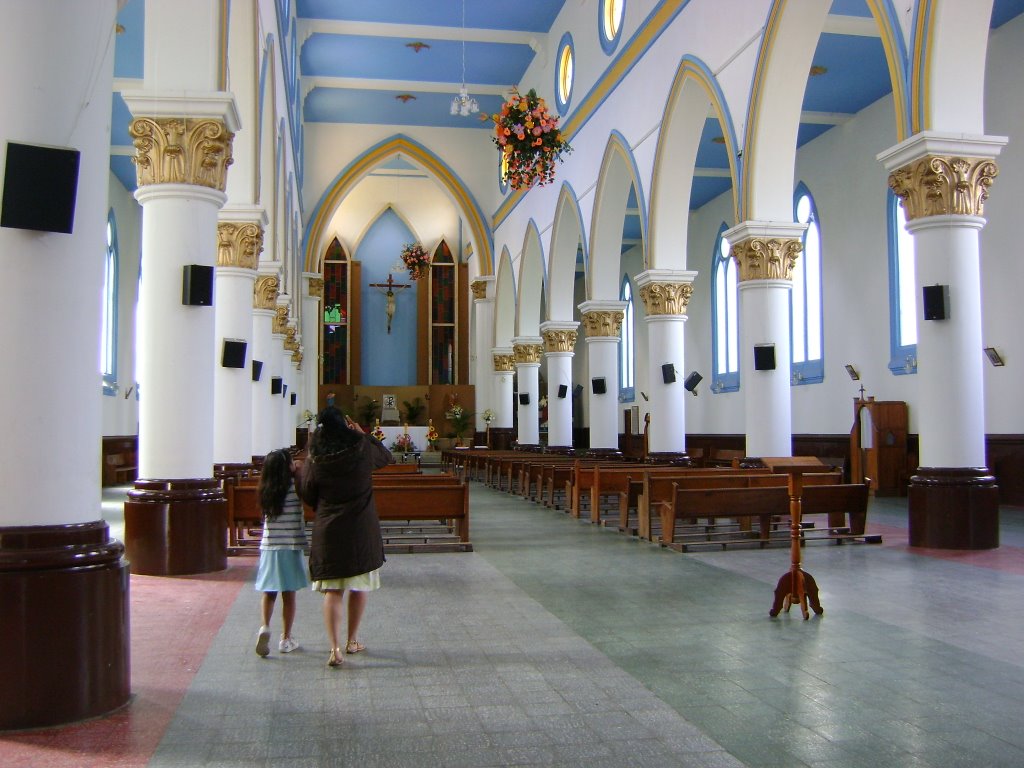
{"type": "Point", "coordinates": [413, 410]}
{"type": "Point", "coordinates": [460, 419]}
{"type": "Point", "coordinates": [368, 411]}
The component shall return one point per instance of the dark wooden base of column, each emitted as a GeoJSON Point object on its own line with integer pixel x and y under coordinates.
{"type": "Point", "coordinates": [671, 458]}
{"type": "Point", "coordinates": [64, 612]}
{"type": "Point", "coordinates": [954, 508]}
{"type": "Point", "coordinates": [176, 527]}
{"type": "Point", "coordinates": [604, 453]}
{"type": "Point", "coordinates": [559, 450]}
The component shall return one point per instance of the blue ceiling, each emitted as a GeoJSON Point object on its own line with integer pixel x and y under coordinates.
{"type": "Point", "coordinates": [355, 60]}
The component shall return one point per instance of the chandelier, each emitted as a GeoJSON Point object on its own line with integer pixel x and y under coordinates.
{"type": "Point", "coordinates": [463, 104]}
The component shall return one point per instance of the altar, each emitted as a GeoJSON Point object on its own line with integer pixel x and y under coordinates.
{"type": "Point", "coordinates": [418, 435]}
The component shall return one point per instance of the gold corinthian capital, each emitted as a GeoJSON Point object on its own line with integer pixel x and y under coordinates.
{"type": "Point", "coordinates": [479, 289]}
{"type": "Point", "coordinates": [181, 150]}
{"type": "Point", "coordinates": [316, 287]}
{"type": "Point", "coordinates": [265, 292]}
{"type": "Point", "coordinates": [666, 298]}
{"type": "Point", "coordinates": [280, 324]}
{"type": "Point", "coordinates": [770, 258]}
{"type": "Point", "coordinates": [239, 244]}
{"type": "Point", "coordinates": [603, 322]}
{"type": "Point", "coordinates": [504, 363]}
{"type": "Point", "coordinates": [527, 353]}
{"type": "Point", "coordinates": [936, 186]}
{"type": "Point", "coordinates": [559, 341]}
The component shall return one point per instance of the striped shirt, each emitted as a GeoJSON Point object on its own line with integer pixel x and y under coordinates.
{"type": "Point", "coordinates": [287, 530]}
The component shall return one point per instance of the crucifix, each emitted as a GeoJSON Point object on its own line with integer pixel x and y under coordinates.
{"type": "Point", "coordinates": [389, 290]}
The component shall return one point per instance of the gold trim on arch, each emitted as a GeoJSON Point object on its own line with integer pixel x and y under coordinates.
{"type": "Point", "coordinates": [615, 144]}
{"type": "Point", "coordinates": [362, 165]}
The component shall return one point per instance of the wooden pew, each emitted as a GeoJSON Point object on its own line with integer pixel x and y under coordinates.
{"type": "Point", "coordinates": [244, 512]}
{"type": "Point", "coordinates": [398, 469]}
{"type": "Point", "coordinates": [425, 502]}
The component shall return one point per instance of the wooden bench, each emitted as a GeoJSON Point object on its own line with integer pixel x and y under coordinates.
{"type": "Point", "coordinates": [449, 502]}
{"type": "Point", "coordinates": [845, 505]}
{"type": "Point", "coordinates": [119, 456]}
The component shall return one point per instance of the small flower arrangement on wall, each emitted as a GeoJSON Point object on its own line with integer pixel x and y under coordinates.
{"type": "Point", "coordinates": [488, 416]}
{"type": "Point", "coordinates": [528, 136]}
{"type": "Point", "coordinates": [416, 260]}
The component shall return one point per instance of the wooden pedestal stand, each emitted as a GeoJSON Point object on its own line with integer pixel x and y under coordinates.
{"type": "Point", "coordinates": [797, 586]}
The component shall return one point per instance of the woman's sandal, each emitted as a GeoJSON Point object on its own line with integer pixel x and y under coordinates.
{"type": "Point", "coordinates": [354, 647]}
{"type": "Point", "coordinates": [335, 659]}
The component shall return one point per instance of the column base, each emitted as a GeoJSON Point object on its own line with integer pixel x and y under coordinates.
{"type": "Point", "coordinates": [603, 453]}
{"type": "Point", "coordinates": [953, 508]}
{"type": "Point", "coordinates": [65, 599]}
{"type": "Point", "coordinates": [176, 527]}
{"type": "Point", "coordinates": [559, 450]}
{"type": "Point", "coordinates": [671, 458]}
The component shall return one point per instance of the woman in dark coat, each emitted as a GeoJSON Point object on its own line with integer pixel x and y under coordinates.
{"type": "Point", "coordinates": [347, 549]}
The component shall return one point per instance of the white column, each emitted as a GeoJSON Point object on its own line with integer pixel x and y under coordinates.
{"type": "Point", "coordinates": [527, 351]}
{"type": "Point", "coordinates": [240, 239]}
{"type": "Point", "coordinates": [943, 181]}
{"type": "Point", "coordinates": [483, 340]}
{"type": "Point", "coordinates": [264, 311]}
{"type": "Point", "coordinates": [602, 321]}
{"type": "Point", "coordinates": [51, 307]}
{"type": "Point", "coordinates": [559, 343]}
{"type": "Point", "coordinates": [504, 367]}
{"type": "Point", "coordinates": [281, 371]}
{"type": "Point", "coordinates": [666, 295]}
{"type": "Point", "coordinates": [312, 298]}
{"type": "Point", "coordinates": [766, 253]}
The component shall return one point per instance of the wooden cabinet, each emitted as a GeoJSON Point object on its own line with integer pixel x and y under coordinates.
{"type": "Point", "coordinates": [878, 445]}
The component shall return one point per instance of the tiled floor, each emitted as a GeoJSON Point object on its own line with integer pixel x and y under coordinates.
{"type": "Point", "coordinates": [557, 643]}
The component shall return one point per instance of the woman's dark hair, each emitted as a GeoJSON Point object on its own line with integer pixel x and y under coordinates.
{"type": "Point", "coordinates": [332, 434]}
{"type": "Point", "coordinates": [275, 481]}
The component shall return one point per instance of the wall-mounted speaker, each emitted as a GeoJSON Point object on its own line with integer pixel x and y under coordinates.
{"type": "Point", "coordinates": [577, 390]}
{"type": "Point", "coordinates": [764, 357]}
{"type": "Point", "coordinates": [284, 390]}
{"type": "Point", "coordinates": [936, 302]}
{"type": "Point", "coordinates": [668, 373]}
{"type": "Point", "coordinates": [295, 398]}
{"type": "Point", "coordinates": [276, 382]}
{"type": "Point", "coordinates": [524, 398]}
{"type": "Point", "coordinates": [197, 285]}
{"type": "Point", "coordinates": [692, 381]}
{"type": "Point", "coordinates": [257, 369]}
{"type": "Point", "coordinates": [233, 355]}
{"type": "Point", "coordinates": [598, 385]}
{"type": "Point", "coordinates": [40, 188]}
{"type": "Point", "coordinates": [563, 390]}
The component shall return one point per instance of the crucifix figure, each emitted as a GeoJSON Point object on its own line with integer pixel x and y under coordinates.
{"type": "Point", "coordinates": [389, 290]}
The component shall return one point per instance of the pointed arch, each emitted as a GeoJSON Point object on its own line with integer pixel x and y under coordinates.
{"type": "Point", "coordinates": [618, 174]}
{"type": "Point", "coordinates": [530, 285]}
{"type": "Point", "coordinates": [896, 58]}
{"type": "Point", "coordinates": [373, 220]}
{"type": "Point", "coordinates": [504, 301]}
{"type": "Point", "coordinates": [567, 237]}
{"type": "Point", "coordinates": [694, 92]}
{"type": "Point", "coordinates": [355, 171]}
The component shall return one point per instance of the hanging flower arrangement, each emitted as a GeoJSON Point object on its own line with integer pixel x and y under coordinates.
{"type": "Point", "coordinates": [528, 136]}
{"type": "Point", "coordinates": [416, 259]}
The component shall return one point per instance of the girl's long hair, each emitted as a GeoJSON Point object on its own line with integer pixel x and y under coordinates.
{"type": "Point", "coordinates": [275, 481]}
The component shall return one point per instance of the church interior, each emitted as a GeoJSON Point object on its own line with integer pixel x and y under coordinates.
{"type": "Point", "coordinates": [661, 306]}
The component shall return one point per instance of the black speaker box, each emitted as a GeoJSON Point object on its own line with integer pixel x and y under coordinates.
{"type": "Point", "coordinates": [668, 373]}
{"type": "Point", "coordinates": [40, 188]}
{"type": "Point", "coordinates": [233, 355]}
{"type": "Point", "coordinates": [598, 386]}
{"type": "Point", "coordinates": [197, 285]}
{"type": "Point", "coordinates": [257, 369]}
{"type": "Point", "coordinates": [936, 302]}
{"type": "Point", "coordinates": [764, 357]}
{"type": "Point", "coordinates": [692, 381]}
{"type": "Point", "coordinates": [563, 390]}
{"type": "Point", "coordinates": [284, 390]}
{"type": "Point", "coordinates": [276, 383]}
{"type": "Point", "coordinates": [295, 398]}
{"type": "Point", "coordinates": [524, 398]}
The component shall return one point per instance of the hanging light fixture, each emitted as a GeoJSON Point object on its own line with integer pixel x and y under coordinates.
{"type": "Point", "coordinates": [464, 104]}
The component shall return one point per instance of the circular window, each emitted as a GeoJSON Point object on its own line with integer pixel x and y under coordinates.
{"type": "Point", "coordinates": [609, 22]}
{"type": "Point", "coordinates": [564, 73]}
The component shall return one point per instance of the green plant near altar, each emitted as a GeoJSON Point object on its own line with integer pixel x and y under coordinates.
{"type": "Point", "coordinates": [460, 419]}
{"type": "Point", "coordinates": [413, 410]}
{"type": "Point", "coordinates": [368, 410]}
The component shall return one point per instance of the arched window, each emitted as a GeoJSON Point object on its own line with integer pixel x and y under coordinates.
{"type": "Point", "coordinates": [725, 330]}
{"type": "Point", "coordinates": [609, 23]}
{"type": "Point", "coordinates": [808, 365]}
{"type": "Point", "coordinates": [108, 342]}
{"type": "Point", "coordinates": [627, 393]}
{"type": "Point", "coordinates": [902, 294]}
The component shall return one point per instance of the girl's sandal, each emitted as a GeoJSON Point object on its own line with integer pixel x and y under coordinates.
{"type": "Point", "coordinates": [335, 659]}
{"type": "Point", "coordinates": [354, 647]}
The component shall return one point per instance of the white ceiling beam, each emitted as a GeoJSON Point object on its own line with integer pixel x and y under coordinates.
{"type": "Point", "coordinates": [858, 26]}
{"type": "Point", "coordinates": [399, 86]}
{"type": "Point", "coordinates": [712, 173]}
{"type": "Point", "coordinates": [825, 118]}
{"type": "Point", "coordinates": [308, 27]}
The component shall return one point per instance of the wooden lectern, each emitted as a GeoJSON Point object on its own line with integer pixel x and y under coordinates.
{"type": "Point", "coordinates": [878, 445]}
